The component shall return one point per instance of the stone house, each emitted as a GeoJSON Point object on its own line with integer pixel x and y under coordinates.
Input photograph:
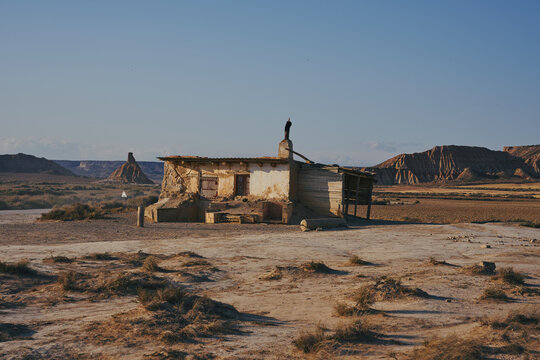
{"type": "Point", "coordinates": [259, 189]}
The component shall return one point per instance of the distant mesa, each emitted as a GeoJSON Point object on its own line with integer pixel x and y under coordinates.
{"type": "Point", "coordinates": [130, 173]}
{"type": "Point", "coordinates": [23, 163]}
{"type": "Point", "coordinates": [460, 163]}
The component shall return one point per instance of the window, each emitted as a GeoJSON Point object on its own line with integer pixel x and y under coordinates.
{"type": "Point", "coordinates": [242, 185]}
{"type": "Point", "coordinates": [209, 187]}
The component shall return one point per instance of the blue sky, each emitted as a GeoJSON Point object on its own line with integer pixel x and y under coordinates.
{"type": "Point", "coordinates": [361, 80]}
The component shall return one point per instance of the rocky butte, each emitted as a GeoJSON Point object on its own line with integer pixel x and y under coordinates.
{"type": "Point", "coordinates": [461, 163]}
{"type": "Point", "coordinates": [130, 173]}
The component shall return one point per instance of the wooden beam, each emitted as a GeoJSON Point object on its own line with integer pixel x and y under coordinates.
{"type": "Point", "coordinates": [356, 200]}
{"type": "Point", "coordinates": [369, 203]}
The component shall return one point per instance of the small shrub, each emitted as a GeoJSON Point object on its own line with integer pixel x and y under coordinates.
{"type": "Point", "coordinates": [317, 267]}
{"type": "Point", "coordinates": [531, 224]}
{"type": "Point", "coordinates": [19, 268]}
{"type": "Point", "coordinates": [310, 342]}
{"type": "Point", "coordinates": [449, 348]}
{"type": "Point", "coordinates": [509, 276]}
{"type": "Point", "coordinates": [494, 293]}
{"type": "Point", "coordinates": [150, 264]}
{"type": "Point", "coordinates": [74, 212]}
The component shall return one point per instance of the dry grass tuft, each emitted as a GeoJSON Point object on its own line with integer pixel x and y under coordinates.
{"type": "Point", "coordinates": [310, 342]}
{"type": "Point", "coordinates": [436, 262]}
{"type": "Point", "coordinates": [384, 288]}
{"type": "Point", "coordinates": [509, 276]}
{"type": "Point", "coordinates": [71, 281]}
{"type": "Point", "coordinates": [274, 274]}
{"type": "Point", "coordinates": [58, 259]}
{"type": "Point", "coordinates": [387, 288]}
{"type": "Point", "coordinates": [196, 262]}
{"type": "Point", "coordinates": [170, 315]}
{"type": "Point", "coordinates": [10, 332]}
{"type": "Point", "coordinates": [364, 297]}
{"type": "Point", "coordinates": [316, 267]}
{"type": "Point", "coordinates": [21, 268]}
{"type": "Point", "coordinates": [484, 268]}
{"type": "Point", "coordinates": [342, 309]}
{"type": "Point", "coordinates": [357, 331]}
{"type": "Point", "coordinates": [150, 265]}
{"type": "Point", "coordinates": [100, 257]}
{"type": "Point", "coordinates": [105, 285]}
{"type": "Point", "coordinates": [517, 331]}
{"type": "Point", "coordinates": [494, 293]}
{"type": "Point", "coordinates": [449, 348]}
{"type": "Point", "coordinates": [516, 319]}
{"type": "Point", "coordinates": [168, 354]}
{"type": "Point", "coordinates": [355, 260]}
{"type": "Point", "coordinates": [190, 254]}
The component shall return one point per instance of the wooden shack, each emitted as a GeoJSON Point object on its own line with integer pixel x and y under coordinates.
{"type": "Point", "coordinates": [259, 189]}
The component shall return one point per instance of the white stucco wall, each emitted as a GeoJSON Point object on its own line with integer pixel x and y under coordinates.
{"type": "Point", "coordinates": [269, 182]}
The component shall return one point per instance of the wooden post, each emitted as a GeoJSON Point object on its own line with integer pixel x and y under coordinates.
{"type": "Point", "coordinates": [343, 197]}
{"type": "Point", "coordinates": [357, 188]}
{"type": "Point", "coordinates": [140, 216]}
{"type": "Point", "coordinates": [369, 202]}
{"type": "Point", "coordinates": [346, 202]}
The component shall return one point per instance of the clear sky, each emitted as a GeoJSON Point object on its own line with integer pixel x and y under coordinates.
{"type": "Point", "coordinates": [361, 80]}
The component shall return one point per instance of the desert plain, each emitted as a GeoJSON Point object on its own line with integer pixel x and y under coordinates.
{"type": "Point", "coordinates": [414, 282]}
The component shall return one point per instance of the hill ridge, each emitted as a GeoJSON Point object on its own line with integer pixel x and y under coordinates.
{"type": "Point", "coordinates": [455, 162]}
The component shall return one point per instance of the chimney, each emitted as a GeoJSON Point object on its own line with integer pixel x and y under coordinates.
{"type": "Point", "coordinates": [285, 146]}
{"type": "Point", "coordinates": [131, 159]}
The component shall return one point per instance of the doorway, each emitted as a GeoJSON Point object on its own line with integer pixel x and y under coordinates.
{"type": "Point", "coordinates": [242, 185]}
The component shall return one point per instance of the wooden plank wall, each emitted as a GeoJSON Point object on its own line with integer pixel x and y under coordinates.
{"type": "Point", "coordinates": [364, 186]}
{"type": "Point", "coordinates": [320, 190]}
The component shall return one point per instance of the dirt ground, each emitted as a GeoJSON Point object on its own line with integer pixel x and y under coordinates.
{"type": "Point", "coordinates": [40, 319]}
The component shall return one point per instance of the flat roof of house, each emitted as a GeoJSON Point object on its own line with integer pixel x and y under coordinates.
{"type": "Point", "coordinates": [196, 159]}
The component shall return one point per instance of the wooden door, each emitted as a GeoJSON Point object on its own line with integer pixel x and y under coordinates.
{"type": "Point", "coordinates": [242, 185]}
